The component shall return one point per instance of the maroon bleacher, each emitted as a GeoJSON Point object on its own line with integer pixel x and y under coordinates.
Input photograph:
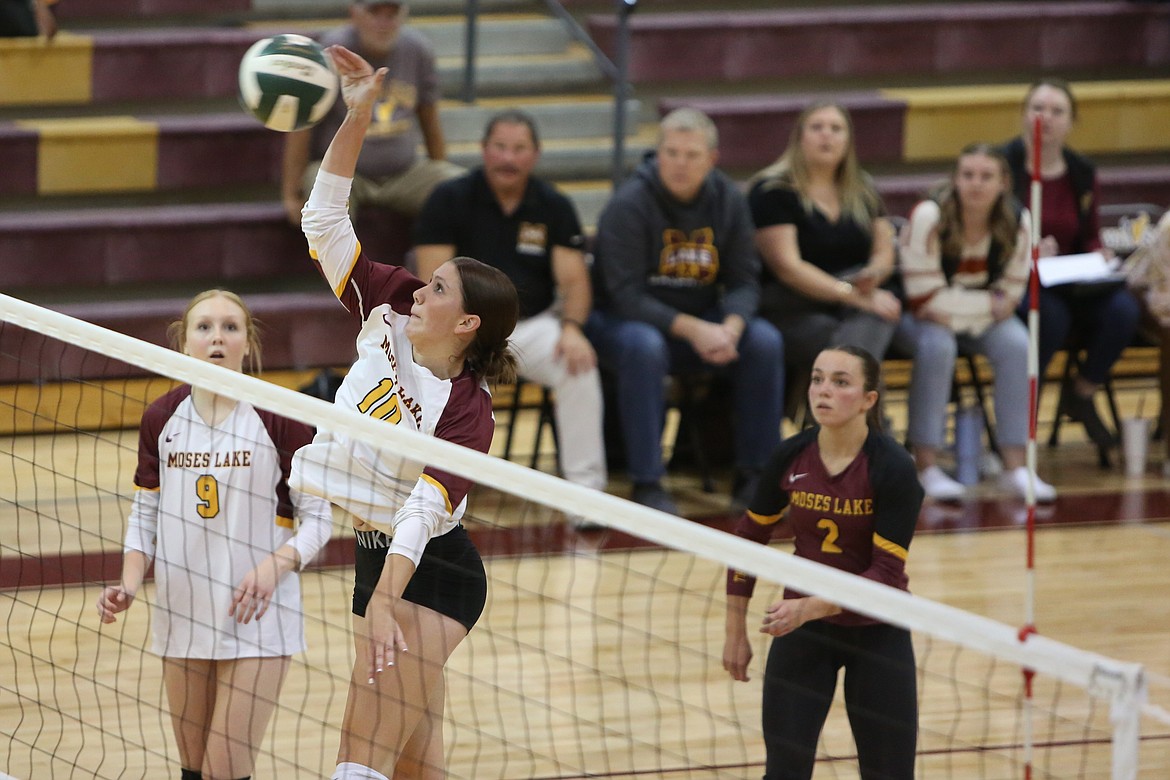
{"type": "Point", "coordinates": [754, 129]}
{"type": "Point", "coordinates": [18, 159]}
{"type": "Point", "coordinates": [194, 152]}
{"type": "Point", "coordinates": [1118, 184]}
{"type": "Point", "coordinates": [867, 41]}
{"type": "Point", "coordinates": [168, 64]}
{"type": "Point", "coordinates": [298, 331]}
{"type": "Point", "coordinates": [92, 10]}
{"type": "Point", "coordinates": [76, 249]}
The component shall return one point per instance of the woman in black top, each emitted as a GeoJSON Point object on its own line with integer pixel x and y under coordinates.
{"type": "Point", "coordinates": [852, 498]}
{"type": "Point", "coordinates": [826, 245]}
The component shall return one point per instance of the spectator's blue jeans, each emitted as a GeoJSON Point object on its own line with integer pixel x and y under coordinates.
{"type": "Point", "coordinates": [1005, 344]}
{"type": "Point", "coordinates": [642, 357]}
{"type": "Point", "coordinates": [1103, 324]}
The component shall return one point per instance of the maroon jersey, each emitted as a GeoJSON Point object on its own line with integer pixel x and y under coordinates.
{"type": "Point", "coordinates": [860, 520]}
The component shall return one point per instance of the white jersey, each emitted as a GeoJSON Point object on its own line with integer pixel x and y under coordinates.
{"type": "Point", "coordinates": [212, 503]}
{"type": "Point", "coordinates": [386, 489]}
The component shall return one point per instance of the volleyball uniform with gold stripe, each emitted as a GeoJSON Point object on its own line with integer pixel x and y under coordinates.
{"type": "Point", "coordinates": [211, 503]}
{"type": "Point", "coordinates": [860, 521]}
{"type": "Point", "coordinates": [384, 487]}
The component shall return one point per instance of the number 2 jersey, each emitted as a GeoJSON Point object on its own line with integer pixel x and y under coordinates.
{"type": "Point", "coordinates": [380, 486]}
{"type": "Point", "coordinates": [860, 520]}
{"type": "Point", "coordinates": [211, 503]}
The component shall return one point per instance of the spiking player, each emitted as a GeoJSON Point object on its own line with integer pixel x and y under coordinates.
{"type": "Point", "coordinates": [213, 509]}
{"type": "Point", "coordinates": [425, 354]}
{"type": "Point", "coordinates": [853, 498]}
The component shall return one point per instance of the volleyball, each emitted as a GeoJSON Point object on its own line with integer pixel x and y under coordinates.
{"type": "Point", "coordinates": [287, 82]}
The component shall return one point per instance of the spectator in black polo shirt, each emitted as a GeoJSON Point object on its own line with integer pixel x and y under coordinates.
{"type": "Point", "coordinates": [502, 215]}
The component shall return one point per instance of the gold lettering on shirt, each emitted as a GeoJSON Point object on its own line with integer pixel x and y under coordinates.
{"type": "Point", "coordinates": [689, 260]}
{"type": "Point", "coordinates": [820, 502]}
{"type": "Point", "coordinates": [532, 238]}
{"type": "Point", "coordinates": [203, 460]}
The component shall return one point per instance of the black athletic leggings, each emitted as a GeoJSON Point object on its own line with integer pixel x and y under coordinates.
{"type": "Point", "coordinates": [881, 698]}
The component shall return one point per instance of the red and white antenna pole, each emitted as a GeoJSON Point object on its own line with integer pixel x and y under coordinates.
{"type": "Point", "coordinates": [1033, 396]}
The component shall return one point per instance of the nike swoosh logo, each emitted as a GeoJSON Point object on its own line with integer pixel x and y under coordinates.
{"type": "Point", "coordinates": [173, 435]}
{"type": "Point", "coordinates": [794, 477]}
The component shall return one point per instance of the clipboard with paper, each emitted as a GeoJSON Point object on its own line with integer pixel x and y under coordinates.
{"type": "Point", "coordinates": [1088, 268]}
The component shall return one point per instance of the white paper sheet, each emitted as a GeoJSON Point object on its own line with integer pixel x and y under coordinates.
{"type": "Point", "coordinates": [1066, 269]}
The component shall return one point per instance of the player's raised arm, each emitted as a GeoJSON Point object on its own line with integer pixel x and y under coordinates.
{"type": "Point", "coordinates": [360, 86]}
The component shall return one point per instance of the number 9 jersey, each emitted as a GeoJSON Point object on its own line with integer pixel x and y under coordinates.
{"type": "Point", "coordinates": [211, 503]}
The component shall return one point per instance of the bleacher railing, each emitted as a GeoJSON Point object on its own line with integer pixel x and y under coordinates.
{"type": "Point", "coordinates": [617, 72]}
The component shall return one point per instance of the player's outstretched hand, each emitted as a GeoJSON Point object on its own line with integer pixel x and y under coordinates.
{"type": "Point", "coordinates": [360, 83]}
{"type": "Point", "coordinates": [112, 600]}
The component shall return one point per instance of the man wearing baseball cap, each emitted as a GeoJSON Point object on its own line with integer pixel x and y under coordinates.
{"type": "Point", "coordinates": [390, 172]}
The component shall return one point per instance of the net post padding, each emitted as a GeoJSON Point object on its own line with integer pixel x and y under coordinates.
{"type": "Point", "coordinates": [1120, 683]}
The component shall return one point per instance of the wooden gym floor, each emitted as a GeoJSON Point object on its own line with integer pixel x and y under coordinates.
{"type": "Point", "coordinates": [79, 701]}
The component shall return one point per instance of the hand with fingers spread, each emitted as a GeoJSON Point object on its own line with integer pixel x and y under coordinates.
{"type": "Point", "coordinates": [360, 83]}
{"type": "Point", "coordinates": [386, 639]}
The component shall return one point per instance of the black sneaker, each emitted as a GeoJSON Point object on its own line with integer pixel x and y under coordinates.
{"type": "Point", "coordinates": [652, 495]}
{"type": "Point", "coordinates": [1082, 409]}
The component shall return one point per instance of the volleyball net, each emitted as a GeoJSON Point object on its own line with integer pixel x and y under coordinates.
{"type": "Point", "coordinates": [598, 655]}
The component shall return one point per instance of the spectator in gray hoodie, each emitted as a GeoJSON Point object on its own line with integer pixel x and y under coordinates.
{"type": "Point", "coordinates": [676, 287]}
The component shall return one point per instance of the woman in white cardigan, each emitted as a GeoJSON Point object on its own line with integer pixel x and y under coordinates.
{"type": "Point", "coordinates": [965, 264]}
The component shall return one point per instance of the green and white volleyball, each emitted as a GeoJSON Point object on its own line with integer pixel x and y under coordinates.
{"type": "Point", "coordinates": [287, 82]}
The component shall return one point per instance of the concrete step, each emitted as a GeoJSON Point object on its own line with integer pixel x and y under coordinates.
{"type": "Point", "coordinates": [557, 116]}
{"type": "Point", "coordinates": [498, 34]}
{"type": "Point", "coordinates": [573, 70]}
{"type": "Point", "coordinates": [590, 198]}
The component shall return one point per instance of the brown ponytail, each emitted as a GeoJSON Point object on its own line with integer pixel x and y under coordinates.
{"type": "Point", "coordinates": [489, 294]}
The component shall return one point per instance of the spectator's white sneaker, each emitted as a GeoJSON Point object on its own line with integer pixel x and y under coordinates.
{"type": "Point", "coordinates": [939, 486]}
{"type": "Point", "coordinates": [1016, 481]}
